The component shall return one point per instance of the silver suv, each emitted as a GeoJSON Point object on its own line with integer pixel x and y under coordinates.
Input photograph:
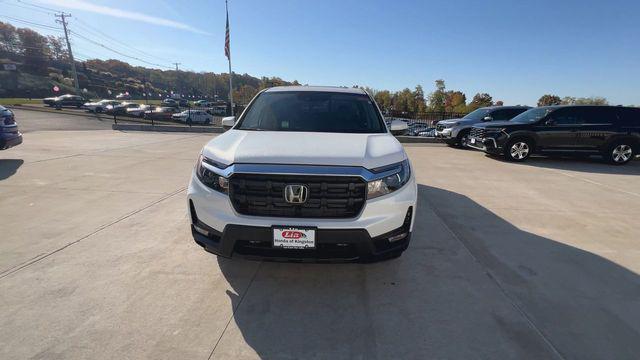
{"type": "Point", "coordinates": [456, 131]}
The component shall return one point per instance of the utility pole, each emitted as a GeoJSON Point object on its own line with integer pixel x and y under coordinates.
{"type": "Point", "coordinates": [63, 21]}
{"type": "Point", "coordinates": [177, 82]}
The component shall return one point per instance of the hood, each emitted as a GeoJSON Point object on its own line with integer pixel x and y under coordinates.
{"type": "Point", "coordinates": [449, 121]}
{"type": "Point", "coordinates": [308, 148]}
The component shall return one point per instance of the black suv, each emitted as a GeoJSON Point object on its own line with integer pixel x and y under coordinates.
{"type": "Point", "coordinates": [65, 100]}
{"type": "Point", "coordinates": [612, 131]}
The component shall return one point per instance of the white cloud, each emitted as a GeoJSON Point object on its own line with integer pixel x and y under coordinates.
{"type": "Point", "coordinates": [123, 14]}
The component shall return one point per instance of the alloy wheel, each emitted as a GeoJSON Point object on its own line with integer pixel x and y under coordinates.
{"type": "Point", "coordinates": [622, 153]}
{"type": "Point", "coordinates": [519, 150]}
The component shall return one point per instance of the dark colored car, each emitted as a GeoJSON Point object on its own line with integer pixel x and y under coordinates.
{"type": "Point", "coordinates": [610, 131]}
{"type": "Point", "coordinates": [454, 132]}
{"type": "Point", "coordinates": [9, 134]}
{"type": "Point", "coordinates": [67, 100]}
{"type": "Point", "coordinates": [120, 109]}
{"type": "Point", "coordinates": [160, 113]}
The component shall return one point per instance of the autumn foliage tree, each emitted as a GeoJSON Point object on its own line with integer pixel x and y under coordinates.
{"type": "Point", "coordinates": [547, 100]}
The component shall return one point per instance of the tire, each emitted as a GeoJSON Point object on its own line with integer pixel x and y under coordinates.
{"type": "Point", "coordinates": [98, 110]}
{"type": "Point", "coordinates": [207, 121]}
{"type": "Point", "coordinates": [461, 139]}
{"type": "Point", "coordinates": [518, 149]}
{"type": "Point", "coordinates": [620, 152]}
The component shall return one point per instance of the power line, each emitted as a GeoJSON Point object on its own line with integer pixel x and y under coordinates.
{"type": "Point", "coordinates": [38, 6]}
{"type": "Point", "coordinates": [116, 51]}
{"type": "Point", "coordinates": [99, 33]}
{"type": "Point", "coordinates": [29, 8]}
{"type": "Point", "coordinates": [48, 27]}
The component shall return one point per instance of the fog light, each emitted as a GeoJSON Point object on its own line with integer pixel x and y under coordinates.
{"type": "Point", "coordinates": [201, 230]}
{"type": "Point", "coordinates": [397, 237]}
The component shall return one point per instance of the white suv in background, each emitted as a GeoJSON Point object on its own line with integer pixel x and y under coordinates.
{"type": "Point", "coordinates": [306, 173]}
{"type": "Point", "coordinates": [195, 116]}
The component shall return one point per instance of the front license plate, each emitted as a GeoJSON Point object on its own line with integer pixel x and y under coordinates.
{"type": "Point", "coordinates": [473, 140]}
{"type": "Point", "coordinates": [294, 238]}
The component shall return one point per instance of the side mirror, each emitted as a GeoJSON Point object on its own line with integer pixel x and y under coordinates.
{"type": "Point", "coordinates": [228, 122]}
{"type": "Point", "coordinates": [398, 127]}
{"type": "Point", "coordinates": [550, 122]}
{"type": "Point", "coordinates": [487, 118]}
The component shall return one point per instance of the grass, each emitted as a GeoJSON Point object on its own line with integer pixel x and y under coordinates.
{"type": "Point", "coordinates": [19, 101]}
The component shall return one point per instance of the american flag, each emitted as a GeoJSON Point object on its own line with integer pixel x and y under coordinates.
{"type": "Point", "coordinates": [227, 46]}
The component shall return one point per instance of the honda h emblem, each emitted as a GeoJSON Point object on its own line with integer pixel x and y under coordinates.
{"type": "Point", "coordinates": [296, 194]}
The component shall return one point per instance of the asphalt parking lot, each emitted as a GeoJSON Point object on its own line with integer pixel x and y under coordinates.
{"type": "Point", "coordinates": [507, 261]}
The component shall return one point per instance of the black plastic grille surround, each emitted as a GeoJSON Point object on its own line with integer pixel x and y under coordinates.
{"type": "Point", "coordinates": [477, 132]}
{"type": "Point", "coordinates": [329, 196]}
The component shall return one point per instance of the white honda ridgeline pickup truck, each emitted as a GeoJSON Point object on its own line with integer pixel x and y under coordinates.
{"type": "Point", "coordinates": [305, 174]}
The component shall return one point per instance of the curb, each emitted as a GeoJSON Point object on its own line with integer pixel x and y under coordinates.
{"type": "Point", "coordinates": [166, 128]}
{"type": "Point", "coordinates": [53, 110]}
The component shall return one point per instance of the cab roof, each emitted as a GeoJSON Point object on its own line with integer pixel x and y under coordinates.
{"type": "Point", "coordinates": [333, 89]}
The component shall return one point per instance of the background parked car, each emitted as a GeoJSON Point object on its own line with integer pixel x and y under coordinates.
{"type": "Point", "coordinates": [456, 131]}
{"type": "Point", "coordinates": [611, 131]}
{"type": "Point", "coordinates": [170, 102]}
{"type": "Point", "coordinates": [99, 106]}
{"type": "Point", "coordinates": [67, 100]}
{"type": "Point", "coordinates": [160, 113]}
{"type": "Point", "coordinates": [196, 116]}
{"type": "Point", "coordinates": [121, 109]}
{"type": "Point", "coordinates": [139, 111]}
{"type": "Point", "coordinates": [123, 96]}
{"type": "Point", "coordinates": [9, 134]}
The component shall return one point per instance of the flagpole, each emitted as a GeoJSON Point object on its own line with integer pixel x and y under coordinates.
{"type": "Point", "coordinates": [229, 57]}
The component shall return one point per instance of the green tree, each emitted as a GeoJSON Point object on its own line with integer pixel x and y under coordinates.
{"type": "Point", "coordinates": [480, 100]}
{"type": "Point", "coordinates": [383, 98]}
{"type": "Point", "coordinates": [419, 104]}
{"type": "Point", "coordinates": [437, 98]}
{"type": "Point", "coordinates": [548, 100]}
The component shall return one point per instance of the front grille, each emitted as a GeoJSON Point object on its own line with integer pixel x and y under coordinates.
{"type": "Point", "coordinates": [477, 132]}
{"type": "Point", "coordinates": [329, 196]}
{"type": "Point", "coordinates": [440, 127]}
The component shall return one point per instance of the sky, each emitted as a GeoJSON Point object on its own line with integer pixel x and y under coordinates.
{"type": "Point", "coordinates": [514, 50]}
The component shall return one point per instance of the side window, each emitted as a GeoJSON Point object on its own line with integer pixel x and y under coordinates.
{"type": "Point", "coordinates": [602, 116]}
{"type": "Point", "coordinates": [629, 116]}
{"type": "Point", "coordinates": [568, 116]}
{"type": "Point", "coordinates": [501, 115]}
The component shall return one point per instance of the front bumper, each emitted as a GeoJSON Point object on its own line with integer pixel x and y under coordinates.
{"type": "Point", "coordinates": [11, 139]}
{"type": "Point", "coordinates": [220, 230]}
{"type": "Point", "coordinates": [486, 144]}
{"type": "Point", "coordinates": [444, 133]}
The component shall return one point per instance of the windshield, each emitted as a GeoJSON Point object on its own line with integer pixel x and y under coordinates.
{"type": "Point", "coordinates": [314, 112]}
{"type": "Point", "coordinates": [478, 114]}
{"type": "Point", "coordinates": [533, 115]}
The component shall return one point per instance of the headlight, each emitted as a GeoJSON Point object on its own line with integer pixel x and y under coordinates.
{"type": "Point", "coordinates": [209, 178]}
{"type": "Point", "coordinates": [389, 183]}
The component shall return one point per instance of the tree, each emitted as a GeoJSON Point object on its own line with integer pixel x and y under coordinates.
{"type": "Point", "coordinates": [548, 100]}
{"type": "Point", "coordinates": [419, 105]}
{"type": "Point", "coordinates": [499, 103]}
{"type": "Point", "coordinates": [402, 100]}
{"type": "Point", "coordinates": [383, 98]}
{"type": "Point", "coordinates": [437, 98]}
{"type": "Point", "coordinates": [57, 49]}
{"type": "Point", "coordinates": [480, 100]}
{"type": "Point", "coordinates": [9, 41]}
{"type": "Point", "coordinates": [593, 100]}
{"type": "Point", "coordinates": [455, 101]}
{"type": "Point", "coordinates": [35, 50]}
